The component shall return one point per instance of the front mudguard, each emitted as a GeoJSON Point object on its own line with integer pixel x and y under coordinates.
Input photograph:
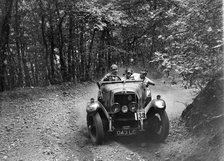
{"type": "Point", "coordinates": [156, 104]}
{"type": "Point", "coordinates": [96, 106]}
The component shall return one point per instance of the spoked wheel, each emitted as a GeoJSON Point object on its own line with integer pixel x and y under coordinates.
{"type": "Point", "coordinates": [95, 128]}
{"type": "Point", "coordinates": [159, 126]}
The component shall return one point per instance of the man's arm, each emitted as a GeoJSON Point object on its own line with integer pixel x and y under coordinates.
{"type": "Point", "coordinates": [148, 81]}
{"type": "Point", "coordinates": [105, 78]}
{"type": "Point", "coordinates": [136, 76]}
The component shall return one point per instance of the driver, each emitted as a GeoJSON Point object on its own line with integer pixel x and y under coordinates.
{"type": "Point", "coordinates": [113, 75]}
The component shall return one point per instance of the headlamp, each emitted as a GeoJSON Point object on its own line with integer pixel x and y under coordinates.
{"type": "Point", "coordinates": [115, 108]}
{"type": "Point", "coordinates": [133, 106]}
{"type": "Point", "coordinates": [92, 106]}
{"type": "Point", "coordinates": [124, 109]}
{"type": "Point", "coordinates": [160, 104]}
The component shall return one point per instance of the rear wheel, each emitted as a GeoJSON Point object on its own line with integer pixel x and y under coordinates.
{"type": "Point", "coordinates": [95, 128]}
{"type": "Point", "coordinates": [158, 126]}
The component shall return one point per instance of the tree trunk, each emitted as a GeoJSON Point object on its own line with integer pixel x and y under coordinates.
{"type": "Point", "coordinates": [153, 30]}
{"type": "Point", "coordinates": [17, 41]}
{"type": "Point", "coordinates": [62, 61]}
{"type": "Point", "coordinates": [47, 67]}
{"type": "Point", "coordinates": [89, 64]}
{"type": "Point", "coordinates": [101, 62]}
{"type": "Point", "coordinates": [51, 38]}
{"type": "Point", "coordinates": [26, 69]}
{"type": "Point", "coordinates": [76, 57]}
{"type": "Point", "coordinates": [34, 81]}
{"type": "Point", "coordinates": [4, 38]}
{"type": "Point", "coordinates": [81, 51]}
{"type": "Point", "coordinates": [12, 71]}
{"type": "Point", "coordinates": [61, 44]}
{"type": "Point", "coordinates": [38, 72]}
{"type": "Point", "coordinates": [70, 48]}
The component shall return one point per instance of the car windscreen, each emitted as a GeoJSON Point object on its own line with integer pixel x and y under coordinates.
{"type": "Point", "coordinates": [117, 82]}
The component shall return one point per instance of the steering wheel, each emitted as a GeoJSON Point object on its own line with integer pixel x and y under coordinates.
{"type": "Point", "coordinates": [119, 78]}
{"type": "Point", "coordinates": [112, 76]}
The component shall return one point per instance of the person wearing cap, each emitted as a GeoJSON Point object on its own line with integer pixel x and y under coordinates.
{"type": "Point", "coordinates": [113, 75]}
{"type": "Point", "coordinates": [129, 74]}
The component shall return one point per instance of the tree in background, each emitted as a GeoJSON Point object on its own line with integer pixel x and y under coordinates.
{"type": "Point", "coordinates": [5, 17]}
{"type": "Point", "coordinates": [53, 41]}
{"type": "Point", "coordinates": [194, 45]}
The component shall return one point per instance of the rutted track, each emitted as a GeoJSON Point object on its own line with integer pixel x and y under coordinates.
{"type": "Point", "coordinates": [50, 124]}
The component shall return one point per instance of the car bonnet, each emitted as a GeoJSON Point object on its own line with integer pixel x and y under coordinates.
{"type": "Point", "coordinates": [125, 87]}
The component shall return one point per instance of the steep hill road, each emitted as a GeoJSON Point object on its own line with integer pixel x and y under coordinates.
{"type": "Point", "coordinates": [43, 124]}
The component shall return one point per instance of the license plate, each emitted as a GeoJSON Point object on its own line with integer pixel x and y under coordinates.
{"type": "Point", "coordinates": [140, 115]}
{"type": "Point", "coordinates": [125, 132]}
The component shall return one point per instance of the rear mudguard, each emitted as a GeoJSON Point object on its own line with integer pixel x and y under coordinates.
{"type": "Point", "coordinates": [93, 108]}
{"type": "Point", "coordinates": [157, 104]}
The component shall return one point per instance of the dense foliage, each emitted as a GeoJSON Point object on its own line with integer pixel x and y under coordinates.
{"type": "Point", "coordinates": [194, 46]}
{"type": "Point", "coordinates": [45, 42]}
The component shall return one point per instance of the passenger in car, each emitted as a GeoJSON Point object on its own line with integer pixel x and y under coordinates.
{"type": "Point", "coordinates": [129, 75]}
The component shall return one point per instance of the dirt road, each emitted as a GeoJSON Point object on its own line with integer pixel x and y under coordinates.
{"type": "Point", "coordinates": [50, 125]}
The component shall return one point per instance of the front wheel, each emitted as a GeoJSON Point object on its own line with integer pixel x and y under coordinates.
{"type": "Point", "coordinates": [95, 128]}
{"type": "Point", "coordinates": [158, 126]}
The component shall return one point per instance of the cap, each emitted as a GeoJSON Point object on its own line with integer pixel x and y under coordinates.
{"type": "Point", "coordinates": [113, 67]}
{"type": "Point", "coordinates": [143, 72]}
{"type": "Point", "coordinates": [129, 70]}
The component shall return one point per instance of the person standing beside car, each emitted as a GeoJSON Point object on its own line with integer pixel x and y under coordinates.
{"type": "Point", "coordinates": [142, 76]}
{"type": "Point", "coordinates": [147, 82]}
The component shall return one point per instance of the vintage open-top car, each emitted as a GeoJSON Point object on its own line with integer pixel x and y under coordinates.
{"type": "Point", "coordinates": [125, 108]}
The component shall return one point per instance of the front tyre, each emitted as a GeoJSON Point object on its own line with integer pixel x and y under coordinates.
{"type": "Point", "coordinates": [95, 128]}
{"type": "Point", "coordinates": [159, 126]}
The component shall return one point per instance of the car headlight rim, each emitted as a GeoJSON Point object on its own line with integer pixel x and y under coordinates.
{"type": "Point", "coordinates": [115, 108]}
{"type": "Point", "coordinates": [131, 105]}
{"type": "Point", "coordinates": [160, 104]}
{"type": "Point", "coordinates": [92, 106]}
{"type": "Point", "coordinates": [124, 109]}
